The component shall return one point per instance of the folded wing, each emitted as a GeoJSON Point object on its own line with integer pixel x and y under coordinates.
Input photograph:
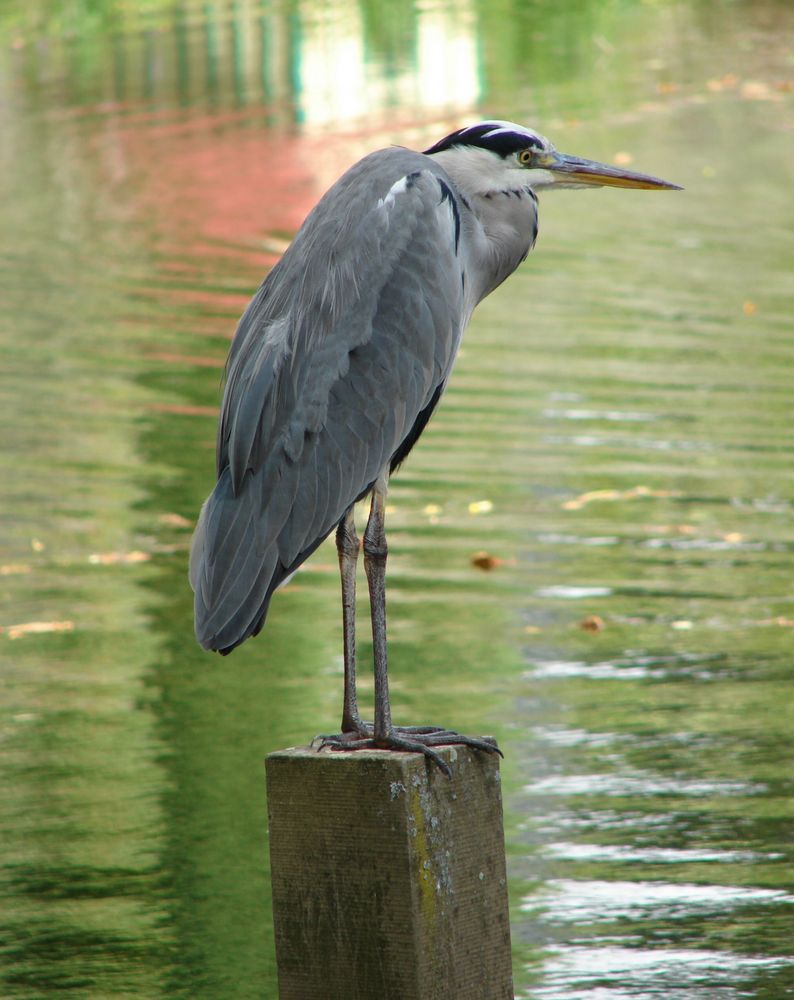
{"type": "Point", "coordinates": [337, 360]}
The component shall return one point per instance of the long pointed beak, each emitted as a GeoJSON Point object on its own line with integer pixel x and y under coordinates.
{"type": "Point", "coordinates": [575, 171]}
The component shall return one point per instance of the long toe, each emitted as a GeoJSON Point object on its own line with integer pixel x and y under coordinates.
{"type": "Point", "coordinates": [394, 741]}
{"type": "Point", "coordinates": [434, 736]}
{"type": "Point", "coordinates": [344, 741]}
{"type": "Point", "coordinates": [407, 739]}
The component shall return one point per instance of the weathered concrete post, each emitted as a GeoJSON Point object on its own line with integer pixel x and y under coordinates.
{"type": "Point", "coordinates": [388, 878]}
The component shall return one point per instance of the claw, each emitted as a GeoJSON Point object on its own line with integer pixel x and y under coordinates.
{"type": "Point", "coordinates": [410, 739]}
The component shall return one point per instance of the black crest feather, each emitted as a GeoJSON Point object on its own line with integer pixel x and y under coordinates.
{"type": "Point", "coordinates": [502, 138]}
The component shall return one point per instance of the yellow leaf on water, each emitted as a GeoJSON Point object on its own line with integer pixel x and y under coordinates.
{"type": "Point", "coordinates": [175, 521]}
{"type": "Point", "coordinates": [727, 82]}
{"type": "Point", "coordinates": [116, 558]}
{"type": "Point", "coordinates": [37, 628]}
{"type": "Point", "coordinates": [484, 560]}
{"type": "Point", "coordinates": [588, 497]}
{"type": "Point", "coordinates": [630, 494]}
{"type": "Point", "coordinates": [749, 308]}
{"type": "Point", "coordinates": [757, 90]}
{"type": "Point", "coordinates": [11, 569]}
{"type": "Point", "coordinates": [480, 507]}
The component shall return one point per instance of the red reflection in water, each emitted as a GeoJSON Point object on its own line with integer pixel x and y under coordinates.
{"type": "Point", "coordinates": [219, 178]}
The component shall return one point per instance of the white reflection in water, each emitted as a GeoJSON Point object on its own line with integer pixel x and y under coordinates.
{"type": "Point", "coordinates": [596, 671]}
{"type": "Point", "coordinates": [338, 83]}
{"type": "Point", "coordinates": [572, 593]}
{"type": "Point", "coordinates": [634, 443]}
{"type": "Point", "coordinates": [638, 784]}
{"type": "Point", "coordinates": [704, 544]}
{"type": "Point", "coordinates": [607, 819]}
{"type": "Point", "coordinates": [636, 669]}
{"type": "Point", "coordinates": [578, 737]}
{"type": "Point", "coordinates": [584, 901]}
{"type": "Point", "coordinates": [650, 855]}
{"type": "Point", "coordinates": [595, 541]}
{"type": "Point", "coordinates": [619, 416]}
{"type": "Point", "coordinates": [644, 974]}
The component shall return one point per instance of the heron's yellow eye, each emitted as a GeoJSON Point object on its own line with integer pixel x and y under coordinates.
{"type": "Point", "coordinates": [525, 157]}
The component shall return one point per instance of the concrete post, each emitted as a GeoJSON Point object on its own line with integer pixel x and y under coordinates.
{"type": "Point", "coordinates": [388, 878]}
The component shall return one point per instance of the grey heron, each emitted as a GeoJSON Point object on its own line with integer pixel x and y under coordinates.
{"type": "Point", "coordinates": [338, 363]}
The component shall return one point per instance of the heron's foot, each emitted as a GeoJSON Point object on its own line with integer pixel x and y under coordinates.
{"type": "Point", "coordinates": [410, 739]}
{"type": "Point", "coordinates": [352, 733]}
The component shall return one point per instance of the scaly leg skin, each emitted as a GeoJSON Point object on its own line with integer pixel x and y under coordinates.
{"type": "Point", "coordinates": [347, 547]}
{"type": "Point", "coordinates": [357, 735]}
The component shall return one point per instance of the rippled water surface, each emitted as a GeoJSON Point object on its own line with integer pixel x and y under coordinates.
{"type": "Point", "coordinates": [591, 549]}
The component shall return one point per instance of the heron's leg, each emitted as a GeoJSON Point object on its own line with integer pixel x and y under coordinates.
{"type": "Point", "coordinates": [375, 552]}
{"type": "Point", "coordinates": [347, 547]}
{"type": "Point", "coordinates": [357, 735]}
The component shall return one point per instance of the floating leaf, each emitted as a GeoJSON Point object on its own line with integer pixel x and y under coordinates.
{"type": "Point", "coordinates": [749, 308]}
{"type": "Point", "coordinates": [757, 90]}
{"type": "Point", "coordinates": [630, 494]}
{"type": "Point", "coordinates": [592, 623]}
{"type": "Point", "coordinates": [485, 561]}
{"type": "Point", "coordinates": [12, 569]}
{"type": "Point", "coordinates": [37, 628]}
{"type": "Point", "coordinates": [116, 558]}
{"type": "Point", "coordinates": [175, 521]}
{"type": "Point", "coordinates": [480, 507]}
{"type": "Point", "coordinates": [727, 82]}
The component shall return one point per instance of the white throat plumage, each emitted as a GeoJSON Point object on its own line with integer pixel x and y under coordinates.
{"type": "Point", "coordinates": [478, 171]}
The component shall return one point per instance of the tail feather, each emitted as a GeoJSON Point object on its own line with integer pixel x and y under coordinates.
{"type": "Point", "coordinates": [232, 577]}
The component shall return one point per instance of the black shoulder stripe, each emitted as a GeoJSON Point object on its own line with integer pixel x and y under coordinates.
{"type": "Point", "coordinates": [447, 195]}
{"type": "Point", "coordinates": [419, 425]}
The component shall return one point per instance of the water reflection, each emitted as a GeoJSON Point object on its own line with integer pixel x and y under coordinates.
{"type": "Point", "coordinates": [600, 505]}
{"type": "Point", "coordinates": [608, 972]}
{"type": "Point", "coordinates": [304, 62]}
{"type": "Point", "coordinates": [587, 902]}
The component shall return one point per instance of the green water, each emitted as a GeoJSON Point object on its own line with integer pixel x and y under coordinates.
{"type": "Point", "coordinates": [622, 405]}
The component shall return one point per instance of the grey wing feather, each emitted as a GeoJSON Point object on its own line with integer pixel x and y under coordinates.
{"type": "Point", "coordinates": [343, 346]}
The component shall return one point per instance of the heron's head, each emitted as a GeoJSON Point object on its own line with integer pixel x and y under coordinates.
{"type": "Point", "coordinates": [494, 155]}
